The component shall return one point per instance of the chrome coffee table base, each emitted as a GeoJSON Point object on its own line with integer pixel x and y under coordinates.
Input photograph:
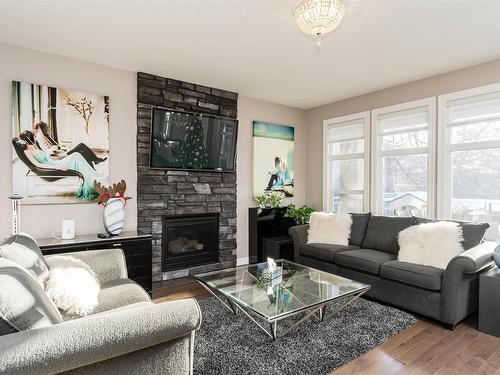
{"type": "Point", "coordinates": [317, 311]}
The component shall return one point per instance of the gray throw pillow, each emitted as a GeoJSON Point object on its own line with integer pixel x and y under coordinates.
{"type": "Point", "coordinates": [24, 250]}
{"type": "Point", "coordinates": [473, 233]}
{"type": "Point", "coordinates": [358, 228]}
{"type": "Point", "coordinates": [382, 233]}
{"type": "Point", "coordinates": [23, 302]}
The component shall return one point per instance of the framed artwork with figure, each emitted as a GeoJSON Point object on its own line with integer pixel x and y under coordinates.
{"type": "Point", "coordinates": [60, 143]}
{"type": "Point", "coordinates": [273, 158]}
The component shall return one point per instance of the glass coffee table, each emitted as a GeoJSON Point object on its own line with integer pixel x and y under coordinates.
{"type": "Point", "coordinates": [261, 296]}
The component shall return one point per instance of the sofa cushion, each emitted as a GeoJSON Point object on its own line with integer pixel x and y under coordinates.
{"type": "Point", "coordinates": [382, 232]}
{"type": "Point", "coordinates": [23, 303]}
{"type": "Point", "coordinates": [425, 277]}
{"type": "Point", "coordinates": [323, 251]}
{"type": "Point", "coordinates": [472, 233]}
{"type": "Point", "coordinates": [358, 228]}
{"type": "Point", "coordinates": [23, 249]}
{"type": "Point", "coordinates": [366, 260]}
{"type": "Point", "coordinates": [118, 293]}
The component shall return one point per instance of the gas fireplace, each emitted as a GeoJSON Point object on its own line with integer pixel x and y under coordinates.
{"type": "Point", "coordinates": [190, 240]}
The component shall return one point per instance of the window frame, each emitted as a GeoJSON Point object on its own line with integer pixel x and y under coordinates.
{"type": "Point", "coordinates": [377, 153]}
{"type": "Point", "coordinates": [445, 149]}
{"type": "Point", "coordinates": [340, 121]}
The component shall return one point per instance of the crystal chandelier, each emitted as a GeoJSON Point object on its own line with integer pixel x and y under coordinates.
{"type": "Point", "coordinates": [319, 17]}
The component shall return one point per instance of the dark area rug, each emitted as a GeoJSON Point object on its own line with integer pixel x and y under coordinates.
{"type": "Point", "coordinates": [232, 344]}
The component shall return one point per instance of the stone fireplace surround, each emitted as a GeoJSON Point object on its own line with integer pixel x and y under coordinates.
{"type": "Point", "coordinates": [163, 193]}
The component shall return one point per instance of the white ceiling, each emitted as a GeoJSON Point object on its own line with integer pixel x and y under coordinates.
{"type": "Point", "coordinates": [253, 46]}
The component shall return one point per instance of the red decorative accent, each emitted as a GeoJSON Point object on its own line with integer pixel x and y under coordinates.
{"type": "Point", "coordinates": [103, 199]}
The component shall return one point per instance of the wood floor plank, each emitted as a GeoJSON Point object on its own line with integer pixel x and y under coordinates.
{"type": "Point", "coordinates": [404, 336]}
{"type": "Point", "coordinates": [473, 346]}
{"type": "Point", "coordinates": [485, 354]}
{"type": "Point", "coordinates": [494, 359]}
{"type": "Point", "coordinates": [384, 361]}
{"type": "Point", "coordinates": [419, 364]}
{"type": "Point", "coordinates": [358, 366]}
{"type": "Point", "coordinates": [489, 346]}
{"type": "Point", "coordinates": [435, 335]}
{"type": "Point", "coordinates": [414, 342]}
{"type": "Point", "coordinates": [452, 350]}
{"type": "Point", "coordinates": [485, 369]}
{"type": "Point", "coordinates": [385, 364]}
{"type": "Point", "coordinates": [458, 366]}
{"type": "Point", "coordinates": [426, 348]}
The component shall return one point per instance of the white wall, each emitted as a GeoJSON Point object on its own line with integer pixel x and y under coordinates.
{"type": "Point", "coordinates": [462, 79]}
{"type": "Point", "coordinates": [24, 65]}
{"type": "Point", "coordinates": [34, 67]}
{"type": "Point", "coordinates": [248, 111]}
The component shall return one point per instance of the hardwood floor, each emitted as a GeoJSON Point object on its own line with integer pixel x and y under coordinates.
{"type": "Point", "coordinates": [425, 348]}
{"type": "Point", "coordinates": [178, 289]}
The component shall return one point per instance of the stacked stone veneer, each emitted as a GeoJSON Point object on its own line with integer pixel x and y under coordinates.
{"type": "Point", "coordinates": [173, 192]}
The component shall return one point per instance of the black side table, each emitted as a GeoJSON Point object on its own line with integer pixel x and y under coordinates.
{"type": "Point", "coordinates": [137, 249]}
{"type": "Point", "coordinates": [489, 302]}
{"type": "Point", "coordinates": [279, 247]}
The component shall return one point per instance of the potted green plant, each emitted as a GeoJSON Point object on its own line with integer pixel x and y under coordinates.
{"type": "Point", "coordinates": [301, 215]}
{"type": "Point", "coordinates": [262, 199]}
{"type": "Point", "coordinates": [276, 199]}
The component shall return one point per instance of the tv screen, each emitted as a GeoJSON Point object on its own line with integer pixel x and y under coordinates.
{"type": "Point", "coordinates": [185, 140]}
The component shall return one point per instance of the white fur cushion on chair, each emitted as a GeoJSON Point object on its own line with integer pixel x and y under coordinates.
{"type": "Point", "coordinates": [430, 244]}
{"type": "Point", "coordinates": [72, 285]}
{"type": "Point", "coordinates": [329, 228]}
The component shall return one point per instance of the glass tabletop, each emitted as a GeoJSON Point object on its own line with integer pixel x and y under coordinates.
{"type": "Point", "coordinates": [273, 296]}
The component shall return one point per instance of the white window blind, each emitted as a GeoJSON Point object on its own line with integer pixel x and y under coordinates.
{"type": "Point", "coordinates": [470, 158]}
{"type": "Point", "coordinates": [346, 163]}
{"type": "Point", "coordinates": [402, 164]}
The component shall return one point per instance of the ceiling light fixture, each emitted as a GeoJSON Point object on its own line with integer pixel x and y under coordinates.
{"type": "Point", "coordinates": [319, 17]}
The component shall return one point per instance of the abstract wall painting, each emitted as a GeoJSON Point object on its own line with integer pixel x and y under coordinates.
{"type": "Point", "coordinates": [273, 158]}
{"type": "Point", "coordinates": [60, 143]}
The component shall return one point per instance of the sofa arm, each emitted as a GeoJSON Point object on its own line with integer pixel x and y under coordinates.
{"type": "Point", "coordinates": [108, 264]}
{"type": "Point", "coordinates": [460, 284]}
{"type": "Point", "coordinates": [474, 259]}
{"type": "Point", "coordinates": [85, 341]}
{"type": "Point", "coordinates": [299, 236]}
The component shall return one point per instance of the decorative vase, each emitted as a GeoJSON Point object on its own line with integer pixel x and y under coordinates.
{"type": "Point", "coordinates": [496, 256]}
{"type": "Point", "coordinates": [114, 216]}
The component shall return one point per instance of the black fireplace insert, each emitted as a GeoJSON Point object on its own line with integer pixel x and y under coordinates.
{"type": "Point", "coordinates": [190, 240]}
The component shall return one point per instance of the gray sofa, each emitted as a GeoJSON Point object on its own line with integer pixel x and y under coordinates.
{"type": "Point", "coordinates": [126, 334]}
{"type": "Point", "coordinates": [447, 295]}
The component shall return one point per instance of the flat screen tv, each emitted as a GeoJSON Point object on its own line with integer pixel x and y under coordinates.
{"type": "Point", "coordinates": [186, 140]}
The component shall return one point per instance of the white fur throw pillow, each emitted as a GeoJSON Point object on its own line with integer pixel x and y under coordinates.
{"type": "Point", "coordinates": [329, 228]}
{"type": "Point", "coordinates": [72, 285]}
{"type": "Point", "coordinates": [431, 244]}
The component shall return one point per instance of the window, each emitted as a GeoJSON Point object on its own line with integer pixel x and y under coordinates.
{"type": "Point", "coordinates": [402, 163]}
{"type": "Point", "coordinates": [346, 167]}
{"type": "Point", "coordinates": [401, 171]}
{"type": "Point", "coordinates": [469, 144]}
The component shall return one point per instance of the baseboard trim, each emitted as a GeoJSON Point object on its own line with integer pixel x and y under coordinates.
{"type": "Point", "coordinates": [242, 261]}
